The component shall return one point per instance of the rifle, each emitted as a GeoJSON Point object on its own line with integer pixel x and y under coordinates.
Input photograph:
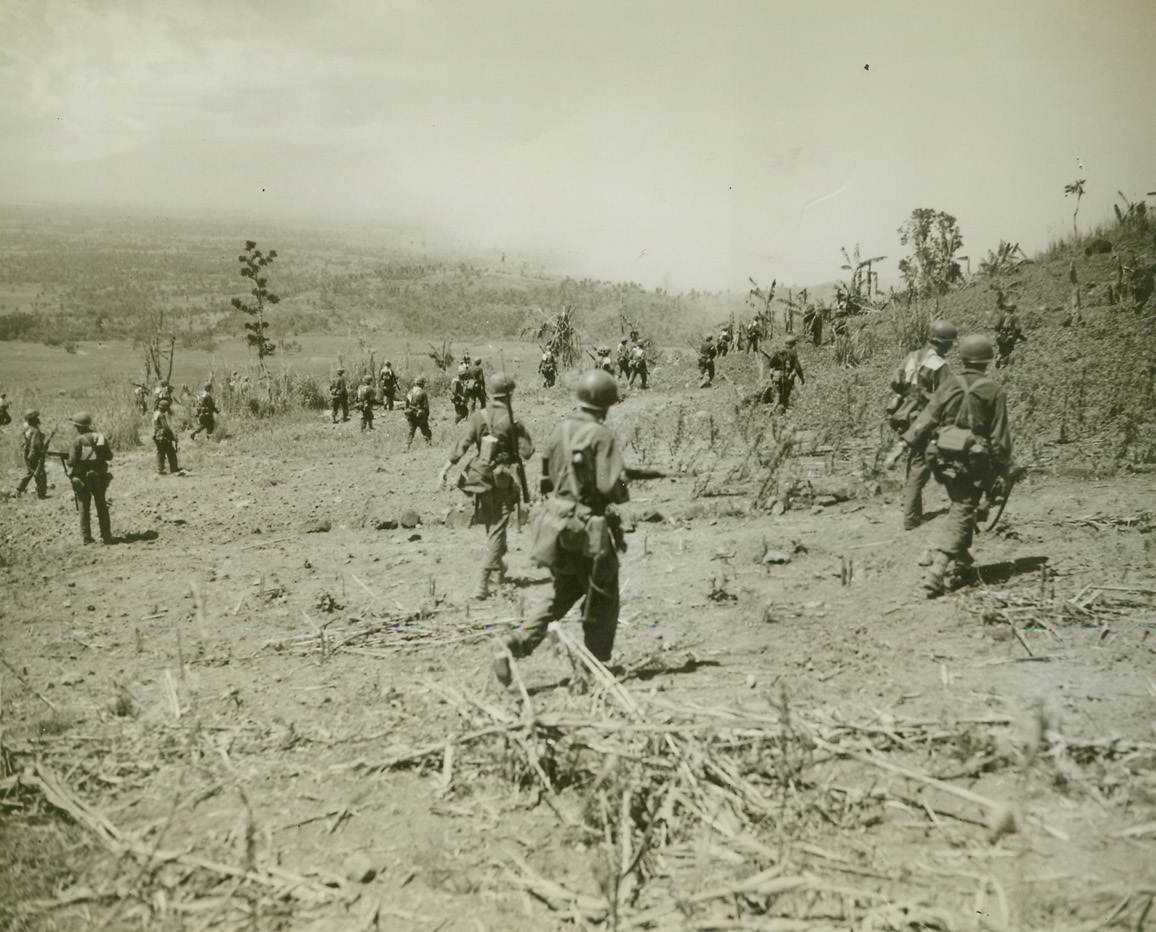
{"type": "Point", "coordinates": [64, 465]}
{"type": "Point", "coordinates": [633, 473]}
{"type": "Point", "coordinates": [1003, 489]}
{"type": "Point", "coordinates": [519, 466]}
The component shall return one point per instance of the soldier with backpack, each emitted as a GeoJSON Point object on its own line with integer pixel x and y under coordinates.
{"type": "Point", "coordinates": [494, 477]}
{"type": "Point", "coordinates": [417, 412]}
{"type": "Point", "coordinates": [339, 397]}
{"type": "Point", "coordinates": [88, 472]}
{"type": "Point", "coordinates": [576, 532]}
{"type": "Point", "coordinates": [206, 412]}
{"type": "Point", "coordinates": [35, 449]}
{"type": "Point", "coordinates": [460, 393]}
{"type": "Point", "coordinates": [388, 382]}
{"type": "Point", "coordinates": [1007, 334]}
{"type": "Point", "coordinates": [548, 368]}
{"type": "Point", "coordinates": [365, 402]}
{"type": "Point", "coordinates": [964, 432]}
{"type": "Point", "coordinates": [915, 381]}
{"type": "Point", "coordinates": [165, 439]}
{"type": "Point", "coordinates": [784, 366]}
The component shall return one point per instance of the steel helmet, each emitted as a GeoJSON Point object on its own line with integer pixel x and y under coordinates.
{"type": "Point", "coordinates": [975, 347]}
{"type": "Point", "coordinates": [792, 339]}
{"type": "Point", "coordinates": [420, 380]}
{"type": "Point", "coordinates": [502, 386]}
{"type": "Point", "coordinates": [163, 405]}
{"type": "Point", "coordinates": [82, 419]}
{"type": "Point", "coordinates": [597, 389]}
{"type": "Point", "coordinates": [367, 380]}
{"type": "Point", "coordinates": [942, 331]}
{"type": "Point", "coordinates": [341, 372]}
{"type": "Point", "coordinates": [32, 415]}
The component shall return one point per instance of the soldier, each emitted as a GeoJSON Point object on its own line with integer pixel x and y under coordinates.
{"type": "Point", "coordinates": [638, 367]}
{"type": "Point", "coordinates": [339, 397]}
{"type": "Point", "coordinates": [206, 411]}
{"type": "Point", "coordinates": [622, 358]}
{"type": "Point", "coordinates": [140, 396]}
{"type": "Point", "coordinates": [706, 355]}
{"type": "Point", "coordinates": [35, 453]}
{"type": "Point", "coordinates": [915, 381]}
{"type": "Point", "coordinates": [459, 393]}
{"type": "Point", "coordinates": [784, 365]}
{"type": "Point", "coordinates": [548, 367]}
{"type": "Point", "coordinates": [754, 334]}
{"type": "Point", "coordinates": [725, 336]}
{"type": "Point", "coordinates": [966, 420]}
{"type": "Point", "coordinates": [478, 392]}
{"type": "Point", "coordinates": [388, 382]}
{"type": "Point", "coordinates": [5, 416]}
{"type": "Point", "coordinates": [495, 476]}
{"type": "Point", "coordinates": [605, 360]}
{"type": "Point", "coordinates": [417, 412]}
{"type": "Point", "coordinates": [583, 473]}
{"type": "Point", "coordinates": [165, 439]}
{"type": "Point", "coordinates": [365, 402]}
{"type": "Point", "coordinates": [1007, 334]}
{"type": "Point", "coordinates": [163, 392]}
{"type": "Point", "coordinates": [88, 471]}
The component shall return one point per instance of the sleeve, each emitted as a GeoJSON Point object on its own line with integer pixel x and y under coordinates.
{"type": "Point", "coordinates": [468, 438]}
{"type": "Point", "coordinates": [525, 443]}
{"type": "Point", "coordinates": [1001, 442]}
{"type": "Point", "coordinates": [74, 456]}
{"type": "Point", "coordinates": [610, 470]}
{"type": "Point", "coordinates": [928, 419]}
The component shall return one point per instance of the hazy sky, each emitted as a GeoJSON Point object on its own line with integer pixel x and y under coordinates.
{"type": "Point", "coordinates": [689, 144]}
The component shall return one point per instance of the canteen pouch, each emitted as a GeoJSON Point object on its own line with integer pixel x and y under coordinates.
{"type": "Point", "coordinates": [953, 442]}
{"type": "Point", "coordinates": [555, 528]}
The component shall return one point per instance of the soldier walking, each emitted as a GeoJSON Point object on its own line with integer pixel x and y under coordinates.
{"type": "Point", "coordinates": [339, 397]}
{"type": "Point", "coordinates": [622, 358]}
{"type": "Point", "coordinates": [163, 392]}
{"type": "Point", "coordinates": [365, 402]}
{"type": "Point", "coordinates": [494, 477]}
{"type": "Point", "coordinates": [88, 471]}
{"type": "Point", "coordinates": [5, 416]}
{"type": "Point", "coordinates": [388, 382]}
{"type": "Point", "coordinates": [548, 368]}
{"type": "Point", "coordinates": [706, 355]}
{"type": "Point", "coordinates": [638, 367]}
{"type": "Point", "coordinates": [165, 439]}
{"type": "Point", "coordinates": [35, 449]}
{"type": "Point", "coordinates": [478, 390]}
{"type": "Point", "coordinates": [754, 334]}
{"type": "Point", "coordinates": [915, 381]}
{"type": "Point", "coordinates": [964, 429]}
{"type": "Point", "coordinates": [1007, 335]}
{"type": "Point", "coordinates": [459, 393]}
{"type": "Point", "coordinates": [417, 412]}
{"type": "Point", "coordinates": [206, 411]}
{"type": "Point", "coordinates": [784, 365]}
{"type": "Point", "coordinates": [583, 474]}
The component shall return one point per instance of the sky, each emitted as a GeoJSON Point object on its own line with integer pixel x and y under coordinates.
{"type": "Point", "coordinates": [671, 143]}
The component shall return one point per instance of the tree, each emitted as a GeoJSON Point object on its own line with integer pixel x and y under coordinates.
{"type": "Point", "coordinates": [934, 237]}
{"type": "Point", "coordinates": [1076, 188]}
{"type": "Point", "coordinates": [253, 264]}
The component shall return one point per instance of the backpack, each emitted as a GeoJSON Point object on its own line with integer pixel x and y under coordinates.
{"type": "Point", "coordinates": [956, 450]}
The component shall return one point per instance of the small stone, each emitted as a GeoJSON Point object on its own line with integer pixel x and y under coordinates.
{"type": "Point", "coordinates": [651, 516]}
{"type": "Point", "coordinates": [826, 500]}
{"type": "Point", "coordinates": [817, 510]}
{"type": "Point", "coordinates": [776, 556]}
{"type": "Point", "coordinates": [750, 681]}
{"type": "Point", "coordinates": [321, 526]}
{"type": "Point", "coordinates": [358, 869]}
{"type": "Point", "coordinates": [72, 679]}
{"type": "Point", "coordinates": [413, 537]}
{"type": "Point", "coordinates": [386, 524]}
{"type": "Point", "coordinates": [409, 519]}
{"type": "Point", "coordinates": [778, 507]}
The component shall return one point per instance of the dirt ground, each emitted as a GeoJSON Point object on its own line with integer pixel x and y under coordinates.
{"type": "Point", "coordinates": [239, 715]}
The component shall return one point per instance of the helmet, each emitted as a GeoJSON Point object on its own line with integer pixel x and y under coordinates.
{"type": "Point", "coordinates": [502, 385]}
{"type": "Point", "coordinates": [792, 339]}
{"type": "Point", "coordinates": [708, 336]}
{"type": "Point", "coordinates": [975, 347]}
{"type": "Point", "coordinates": [597, 389]}
{"type": "Point", "coordinates": [941, 331]}
{"type": "Point", "coordinates": [165, 383]}
{"type": "Point", "coordinates": [420, 381]}
{"type": "Point", "coordinates": [388, 364]}
{"type": "Point", "coordinates": [31, 415]}
{"type": "Point", "coordinates": [367, 380]}
{"type": "Point", "coordinates": [82, 419]}
{"type": "Point", "coordinates": [208, 386]}
{"type": "Point", "coordinates": [163, 405]}
{"type": "Point", "coordinates": [341, 372]}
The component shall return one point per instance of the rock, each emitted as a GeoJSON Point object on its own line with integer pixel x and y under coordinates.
{"type": "Point", "coordinates": [750, 681]}
{"type": "Point", "coordinates": [358, 869]}
{"type": "Point", "coordinates": [457, 519]}
{"type": "Point", "coordinates": [320, 526]}
{"type": "Point", "coordinates": [826, 501]}
{"type": "Point", "coordinates": [778, 506]}
{"type": "Point", "coordinates": [409, 518]}
{"type": "Point", "coordinates": [413, 537]}
{"type": "Point", "coordinates": [651, 515]}
{"type": "Point", "coordinates": [386, 524]}
{"type": "Point", "coordinates": [72, 679]}
{"type": "Point", "coordinates": [776, 556]}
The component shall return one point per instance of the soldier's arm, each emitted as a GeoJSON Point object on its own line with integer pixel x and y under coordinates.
{"type": "Point", "coordinates": [610, 471]}
{"type": "Point", "coordinates": [1001, 441]}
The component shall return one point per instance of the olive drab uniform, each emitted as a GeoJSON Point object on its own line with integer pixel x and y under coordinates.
{"type": "Point", "coordinates": [35, 449]}
{"type": "Point", "coordinates": [638, 367]}
{"type": "Point", "coordinates": [706, 355]}
{"type": "Point", "coordinates": [460, 393]}
{"type": "Point", "coordinates": [206, 412]}
{"type": "Point", "coordinates": [365, 403]}
{"type": "Point", "coordinates": [583, 465]}
{"type": "Point", "coordinates": [548, 368]}
{"type": "Point", "coordinates": [499, 444]}
{"type": "Point", "coordinates": [754, 334]}
{"type": "Point", "coordinates": [622, 358]}
{"type": "Point", "coordinates": [388, 383]}
{"type": "Point", "coordinates": [88, 470]}
{"type": "Point", "coordinates": [417, 414]}
{"type": "Point", "coordinates": [784, 365]}
{"type": "Point", "coordinates": [1007, 335]}
{"type": "Point", "coordinates": [964, 431]}
{"type": "Point", "coordinates": [478, 396]}
{"type": "Point", "coordinates": [339, 398]}
{"type": "Point", "coordinates": [165, 439]}
{"type": "Point", "coordinates": [605, 361]}
{"type": "Point", "coordinates": [915, 381]}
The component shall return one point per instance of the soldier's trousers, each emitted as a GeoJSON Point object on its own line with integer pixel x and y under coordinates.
{"type": "Point", "coordinates": [342, 405]}
{"type": "Point", "coordinates": [639, 372]}
{"type": "Point", "coordinates": [91, 492]}
{"type": "Point", "coordinates": [706, 371]}
{"type": "Point", "coordinates": [166, 452]}
{"type": "Point", "coordinates": [600, 611]}
{"type": "Point", "coordinates": [387, 400]}
{"type": "Point", "coordinates": [415, 424]}
{"type": "Point", "coordinates": [493, 510]}
{"type": "Point", "coordinates": [207, 425]}
{"type": "Point", "coordinates": [38, 476]}
{"type": "Point", "coordinates": [367, 418]}
{"type": "Point", "coordinates": [959, 526]}
{"type": "Point", "coordinates": [918, 472]}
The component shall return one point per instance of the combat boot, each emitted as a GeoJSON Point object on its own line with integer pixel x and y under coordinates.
{"type": "Point", "coordinates": [502, 573]}
{"type": "Point", "coordinates": [483, 586]}
{"type": "Point", "coordinates": [502, 668]}
{"type": "Point", "coordinates": [933, 578]}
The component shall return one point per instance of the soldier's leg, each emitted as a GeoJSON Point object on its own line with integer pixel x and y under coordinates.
{"type": "Point", "coordinates": [102, 516]}
{"type": "Point", "coordinates": [23, 483]}
{"type": "Point", "coordinates": [84, 498]}
{"type": "Point", "coordinates": [497, 523]}
{"type": "Point", "coordinates": [600, 618]}
{"type": "Point", "coordinates": [41, 478]}
{"type": "Point", "coordinates": [568, 589]}
{"type": "Point", "coordinates": [918, 472]}
{"type": "Point", "coordinates": [425, 431]}
{"type": "Point", "coordinates": [172, 451]}
{"type": "Point", "coordinates": [412, 427]}
{"type": "Point", "coordinates": [958, 529]}
{"type": "Point", "coordinates": [160, 456]}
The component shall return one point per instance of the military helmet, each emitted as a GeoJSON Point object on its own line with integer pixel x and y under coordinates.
{"type": "Point", "coordinates": [82, 419]}
{"type": "Point", "coordinates": [597, 389]}
{"type": "Point", "coordinates": [942, 331]}
{"type": "Point", "coordinates": [163, 405]}
{"type": "Point", "coordinates": [208, 386]}
{"type": "Point", "coordinates": [792, 339]}
{"type": "Point", "coordinates": [975, 347]}
{"type": "Point", "coordinates": [164, 383]}
{"type": "Point", "coordinates": [341, 372]}
{"type": "Point", "coordinates": [420, 381]}
{"type": "Point", "coordinates": [367, 380]}
{"type": "Point", "coordinates": [502, 385]}
{"type": "Point", "coordinates": [388, 364]}
{"type": "Point", "coordinates": [31, 415]}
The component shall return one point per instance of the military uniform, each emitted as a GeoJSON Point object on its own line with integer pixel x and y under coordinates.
{"type": "Point", "coordinates": [623, 360]}
{"type": "Point", "coordinates": [88, 470]}
{"type": "Point", "coordinates": [163, 392]}
{"type": "Point", "coordinates": [500, 443]}
{"type": "Point", "coordinates": [206, 411]}
{"type": "Point", "coordinates": [165, 439]}
{"type": "Point", "coordinates": [478, 395]}
{"type": "Point", "coordinates": [417, 413]}
{"type": "Point", "coordinates": [915, 381]}
{"type": "Point", "coordinates": [388, 382]}
{"type": "Point", "coordinates": [5, 417]}
{"type": "Point", "coordinates": [339, 397]}
{"type": "Point", "coordinates": [784, 365]}
{"type": "Point", "coordinates": [548, 368]}
{"type": "Point", "coordinates": [970, 401]}
{"type": "Point", "coordinates": [1007, 335]}
{"type": "Point", "coordinates": [365, 402]}
{"type": "Point", "coordinates": [706, 355]}
{"type": "Point", "coordinates": [460, 393]}
{"type": "Point", "coordinates": [35, 449]}
{"type": "Point", "coordinates": [638, 367]}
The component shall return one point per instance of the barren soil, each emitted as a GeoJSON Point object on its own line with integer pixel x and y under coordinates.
{"type": "Point", "coordinates": [234, 687]}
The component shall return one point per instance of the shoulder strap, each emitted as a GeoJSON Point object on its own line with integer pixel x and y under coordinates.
{"type": "Point", "coordinates": [965, 401]}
